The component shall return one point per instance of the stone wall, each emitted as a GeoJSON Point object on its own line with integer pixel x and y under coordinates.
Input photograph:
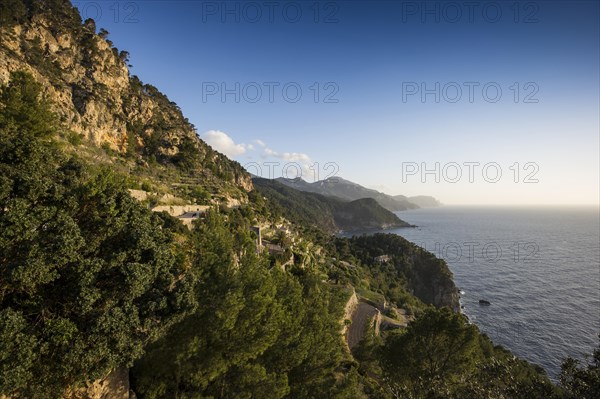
{"type": "Point", "coordinates": [349, 310]}
{"type": "Point", "coordinates": [178, 210]}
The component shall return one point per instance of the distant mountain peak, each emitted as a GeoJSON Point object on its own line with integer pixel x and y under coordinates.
{"type": "Point", "coordinates": [336, 186]}
{"type": "Point", "coordinates": [326, 212]}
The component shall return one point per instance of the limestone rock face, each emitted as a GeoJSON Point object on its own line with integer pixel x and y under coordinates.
{"type": "Point", "coordinates": [85, 80]}
{"type": "Point", "coordinates": [88, 82]}
{"type": "Point", "coordinates": [446, 294]}
{"type": "Point", "coordinates": [437, 289]}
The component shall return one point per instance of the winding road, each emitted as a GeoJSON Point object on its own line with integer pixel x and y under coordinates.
{"type": "Point", "coordinates": [363, 314]}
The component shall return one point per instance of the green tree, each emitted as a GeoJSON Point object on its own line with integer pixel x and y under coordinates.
{"type": "Point", "coordinates": [315, 376]}
{"type": "Point", "coordinates": [259, 332]}
{"type": "Point", "coordinates": [504, 376]}
{"type": "Point", "coordinates": [440, 355]}
{"type": "Point", "coordinates": [124, 56]}
{"type": "Point", "coordinates": [581, 381]}
{"type": "Point", "coordinates": [188, 156]}
{"type": "Point", "coordinates": [87, 275]}
{"type": "Point", "coordinates": [437, 349]}
{"type": "Point", "coordinates": [237, 321]}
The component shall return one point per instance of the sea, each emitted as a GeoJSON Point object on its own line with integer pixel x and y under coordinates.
{"type": "Point", "coordinates": [538, 267]}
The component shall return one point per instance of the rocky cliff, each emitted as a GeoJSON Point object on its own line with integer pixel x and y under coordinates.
{"type": "Point", "coordinates": [422, 274]}
{"type": "Point", "coordinates": [433, 281]}
{"type": "Point", "coordinates": [88, 81]}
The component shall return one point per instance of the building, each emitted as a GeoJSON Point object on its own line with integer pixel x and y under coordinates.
{"type": "Point", "coordinates": [383, 259]}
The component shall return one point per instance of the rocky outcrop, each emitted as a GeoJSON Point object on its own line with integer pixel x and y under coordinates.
{"type": "Point", "coordinates": [446, 294]}
{"type": "Point", "coordinates": [87, 80]}
{"type": "Point", "coordinates": [435, 285]}
{"type": "Point", "coordinates": [80, 74]}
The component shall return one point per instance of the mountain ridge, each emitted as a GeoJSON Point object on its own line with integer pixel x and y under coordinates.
{"type": "Point", "coordinates": [94, 281]}
{"type": "Point", "coordinates": [347, 190]}
{"type": "Point", "coordinates": [331, 214]}
{"type": "Point", "coordinates": [424, 201]}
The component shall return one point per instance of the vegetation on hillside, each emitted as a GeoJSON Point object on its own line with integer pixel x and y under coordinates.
{"type": "Point", "coordinates": [582, 380]}
{"type": "Point", "coordinates": [325, 213]}
{"type": "Point", "coordinates": [259, 332]}
{"type": "Point", "coordinates": [78, 66]}
{"type": "Point", "coordinates": [411, 277]}
{"type": "Point", "coordinates": [346, 190]}
{"type": "Point", "coordinates": [87, 275]}
{"type": "Point", "coordinates": [91, 280]}
{"type": "Point", "coordinates": [440, 355]}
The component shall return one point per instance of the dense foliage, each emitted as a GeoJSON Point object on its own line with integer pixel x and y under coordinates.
{"type": "Point", "coordinates": [259, 332]}
{"type": "Point", "coordinates": [582, 381]}
{"type": "Point", "coordinates": [440, 355]}
{"type": "Point", "coordinates": [410, 268]}
{"type": "Point", "coordinates": [87, 275]}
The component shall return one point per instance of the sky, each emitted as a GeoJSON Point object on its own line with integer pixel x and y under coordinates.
{"type": "Point", "coordinates": [492, 103]}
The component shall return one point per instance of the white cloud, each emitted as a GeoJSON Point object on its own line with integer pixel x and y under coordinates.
{"type": "Point", "coordinates": [293, 161]}
{"type": "Point", "coordinates": [300, 159]}
{"type": "Point", "coordinates": [221, 142]}
{"type": "Point", "coordinates": [296, 157]}
{"type": "Point", "coordinates": [288, 156]}
{"type": "Point", "coordinates": [271, 153]}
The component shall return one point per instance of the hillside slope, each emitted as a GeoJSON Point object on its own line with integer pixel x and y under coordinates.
{"type": "Point", "coordinates": [349, 191]}
{"type": "Point", "coordinates": [327, 213]}
{"type": "Point", "coordinates": [93, 281]}
{"type": "Point", "coordinates": [88, 81]}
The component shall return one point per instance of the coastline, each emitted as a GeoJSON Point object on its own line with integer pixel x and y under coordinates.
{"type": "Point", "coordinates": [540, 316]}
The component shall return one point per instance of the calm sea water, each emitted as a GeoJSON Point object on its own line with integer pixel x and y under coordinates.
{"type": "Point", "coordinates": [539, 268]}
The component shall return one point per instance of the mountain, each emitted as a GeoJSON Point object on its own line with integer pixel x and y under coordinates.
{"type": "Point", "coordinates": [99, 291]}
{"type": "Point", "coordinates": [423, 201]}
{"type": "Point", "coordinates": [347, 190]}
{"type": "Point", "coordinates": [327, 213]}
{"type": "Point", "coordinates": [87, 80]}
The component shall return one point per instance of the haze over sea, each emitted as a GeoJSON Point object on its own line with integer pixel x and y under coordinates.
{"type": "Point", "coordinates": [538, 266]}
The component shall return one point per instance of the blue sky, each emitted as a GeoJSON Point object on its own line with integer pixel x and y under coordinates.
{"type": "Point", "coordinates": [361, 67]}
